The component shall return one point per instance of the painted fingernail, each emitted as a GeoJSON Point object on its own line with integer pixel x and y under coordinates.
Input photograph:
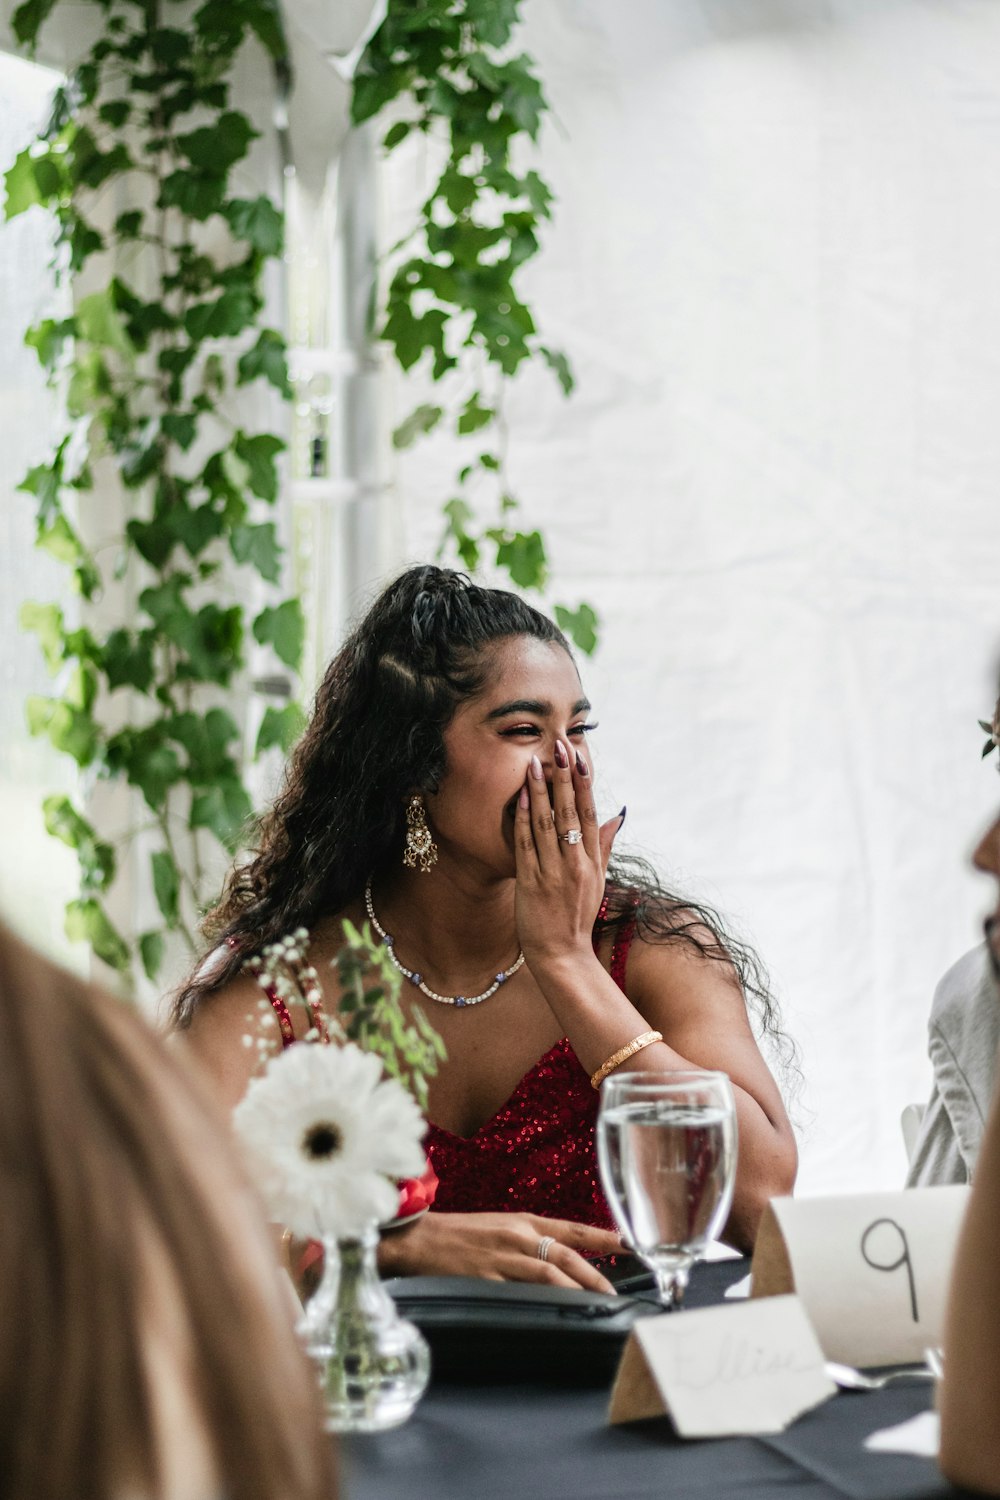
{"type": "Point", "coordinates": [522, 798]}
{"type": "Point", "coordinates": [562, 759]}
{"type": "Point", "coordinates": [621, 816]}
{"type": "Point", "coordinates": [536, 768]}
{"type": "Point", "coordinates": [581, 765]}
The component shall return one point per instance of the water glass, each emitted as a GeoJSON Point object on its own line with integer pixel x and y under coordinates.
{"type": "Point", "coordinates": [666, 1148]}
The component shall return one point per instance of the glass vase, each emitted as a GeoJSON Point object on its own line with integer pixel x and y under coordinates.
{"type": "Point", "coordinates": [373, 1364]}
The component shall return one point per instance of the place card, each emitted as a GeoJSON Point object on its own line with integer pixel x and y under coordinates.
{"type": "Point", "coordinates": [871, 1268]}
{"type": "Point", "coordinates": [722, 1371]}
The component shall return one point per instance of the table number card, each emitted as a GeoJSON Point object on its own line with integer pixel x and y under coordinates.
{"type": "Point", "coordinates": [722, 1371]}
{"type": "Point", "coordinates": [871, 1268]}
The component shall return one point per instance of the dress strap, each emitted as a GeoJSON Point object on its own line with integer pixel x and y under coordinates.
{"type": "Point", "coordinates": [622, 942]}
{"type": "Point", "coordinates": [277, 1005]}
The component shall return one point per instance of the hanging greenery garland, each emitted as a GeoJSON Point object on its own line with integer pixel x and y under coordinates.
{"type": "Point", "coordinates": [446, 68]}
{"type": "Point", "coordinates": [150, 362]}
{"type": "Point", "coordinates": [148, 365]}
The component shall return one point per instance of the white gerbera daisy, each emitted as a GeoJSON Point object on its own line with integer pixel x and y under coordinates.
{"type": "Point", "coordinates": [327, 1137]}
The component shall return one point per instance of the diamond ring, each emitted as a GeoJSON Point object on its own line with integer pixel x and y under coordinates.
{"type": "Point", "coordinates": [544, 1246]}
{"type": "Point", "coordinates": [572, 837]}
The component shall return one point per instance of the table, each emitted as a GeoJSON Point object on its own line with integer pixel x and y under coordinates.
{"type": "Point", "coordinates": [516, 1442]}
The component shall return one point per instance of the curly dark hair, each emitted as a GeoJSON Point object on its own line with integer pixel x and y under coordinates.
{"type": "Point", "coordinates": [376, 735]}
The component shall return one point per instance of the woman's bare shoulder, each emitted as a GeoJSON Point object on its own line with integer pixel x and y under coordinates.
{"type": "Point", "coordinates": [687, 975]}
{"type": "Point", "coordinates": [221, 1037]}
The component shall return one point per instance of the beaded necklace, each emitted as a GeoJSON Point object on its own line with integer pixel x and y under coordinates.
{"type": "Point", "coordinates": [417, 979]}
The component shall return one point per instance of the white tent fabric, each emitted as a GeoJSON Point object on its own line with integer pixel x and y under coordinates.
{"type": "Point", "coordinates": [774, 266]}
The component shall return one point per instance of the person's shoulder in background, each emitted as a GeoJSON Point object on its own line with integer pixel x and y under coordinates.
{"type": "Point", "coordinates": [963, 1038]}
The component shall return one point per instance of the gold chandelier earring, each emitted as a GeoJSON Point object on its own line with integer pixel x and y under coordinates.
{"type": "Point", "coordinates": [420, 851]}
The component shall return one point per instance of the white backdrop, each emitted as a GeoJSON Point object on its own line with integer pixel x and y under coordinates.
{"type": "Point", "coordinates": [776, 269]}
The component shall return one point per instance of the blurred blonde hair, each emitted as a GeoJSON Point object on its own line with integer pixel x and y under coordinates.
{"type": "Point", "coordinates": [138, 1284]}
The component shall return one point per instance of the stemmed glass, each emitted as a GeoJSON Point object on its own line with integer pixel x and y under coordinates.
{"type": "Point", "coordinates": [666, 1148]}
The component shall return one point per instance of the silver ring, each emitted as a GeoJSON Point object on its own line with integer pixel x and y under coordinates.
{"type": "Point", "coordinates": [574, 836]}
{"type": "Point", "coordinates": [544, 1246]}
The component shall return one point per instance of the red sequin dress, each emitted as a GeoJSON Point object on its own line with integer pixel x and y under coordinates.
{"type": "Point", "coordinates": [537, 1154]}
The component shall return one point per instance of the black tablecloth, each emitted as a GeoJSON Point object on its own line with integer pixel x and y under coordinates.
{"type": "Point", "coordinates": [517, 1442]}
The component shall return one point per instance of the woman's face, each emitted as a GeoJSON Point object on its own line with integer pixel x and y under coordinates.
{"type": "Point", "coordinates": [532, 698]}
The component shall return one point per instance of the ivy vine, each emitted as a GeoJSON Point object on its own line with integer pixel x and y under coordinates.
{"type": "Point", "coordinates": [148, 366]}
{"type": "Point", "coordinates": [150, 363]}
{"type": "Point", "coordinates": [445, 68]}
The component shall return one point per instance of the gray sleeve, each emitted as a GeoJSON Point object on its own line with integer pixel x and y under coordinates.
{"type": "Point", "coordinates": [936, 1156]}
{"type": "Point", "coordinates": [963, 1036]}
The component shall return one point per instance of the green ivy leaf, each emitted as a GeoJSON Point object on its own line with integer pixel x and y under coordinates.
{"type": "Point", "coordinates": [411, 335]}
{"type": "Point", "coordinates": [258, 455]}
{"type": "Point", "coordinates": [473, 416]}
{"type": "Point", "coordinates": [32, 179]}
{"type": "Point", "coordinates": [558, 363]}
{"type": "Point", "coordinates": [115, 113]}
{"type": "Point", "coordinates": [197, 194]}
{"type": "Point", "coordinates": [43, 482]}
{"type": "Point", "coordinates": [146, 761]}
{"type": "Point", "coordinates": [45, 621]}
{"type": "Point", "coordinates": [423, 419]}
{"type": "Point", "coordinates": [281, 727]}
{"type": "Point", "coordinates": [282, 627]}
{"type": "Point", "coordinates": [26, 22]}
{"type": "Point", "coordinates": [215, 148]}
{"type": "Point", "coordinates": [166, 885]}
{"type": "Point", "coordinates": [206, 739]}
{"type": "Point", "coordinates": [87, 922]}
{"type": "Point", "coordinates": [267, 360]}
{"type": "Point", "coordinates": [225, 317]}
{"type": "Point", "coordinates": [258, 547]}
{"type": "Point", "coordinates": [81, 688]}
{"type": "Point", "coordinates": [68, 729]}
{"type": "Point", "coordinates": [166, 600]}
{"type": "Point", "coordinates": [96, 858]}
{"type": "Point", "coordinates": [373, 90]}
{"type": "Point", "coordinates": [493, 21]}
{"type": "Point", "coordinates": [84, 241]}
{"type": "Point", "coordinates": [151, 950]}
{"type": "Point", "coordinates": [194, 526]}
{"type": "Point", "coordinates": [457, 190]}
{"type": "Point", "coordinates": [580, 625]}
{"type": "Point", "coordinates": [180, 427]}
{"type": "Point", "coordinates": [523, 555]}
{"type": "Point", "coordinates": [458, 513]}
{"type": "Point", "coordinates": [127, 660]}
{"type": "Point", "coordinates": [99, 322]}
{"type": "Point", "coordinates": [48, 339]}
{"type": "Point", "coordinates": [224, 809]}
{"type": "Point", "coordinates": [59, 538]}
{"type": "Point", "coordinates": [210, 640]}
{"type": "Point", "coordinates": [169, 46]}
{"type": "Point", "coordinates": [257, 221]}
{"type": "Point", "coordinates": [89, 386]}
{"type": "Point", "coordinates": [153, 540]}
{"type": "Point", "coordinates": [395, 134]}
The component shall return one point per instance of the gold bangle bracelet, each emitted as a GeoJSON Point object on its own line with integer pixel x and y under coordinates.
{"type": "Point", "coordinates": [645, 1039]}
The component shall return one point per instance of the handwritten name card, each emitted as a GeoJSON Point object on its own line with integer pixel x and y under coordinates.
{"type": "Point", "coordinates": [722, 1371]}
{"type": "Point", "coordinates": [871, 1268]}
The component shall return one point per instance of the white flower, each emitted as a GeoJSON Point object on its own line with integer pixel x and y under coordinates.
{"type": "Point", "coordinates": [327, 1137]}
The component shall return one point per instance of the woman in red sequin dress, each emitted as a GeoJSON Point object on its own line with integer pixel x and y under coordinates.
{"type": "Point", "coordinates": [443, 789]}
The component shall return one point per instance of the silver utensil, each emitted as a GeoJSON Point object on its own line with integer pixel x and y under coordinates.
{"type": "Point", "coordinates": [850, 1379]}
